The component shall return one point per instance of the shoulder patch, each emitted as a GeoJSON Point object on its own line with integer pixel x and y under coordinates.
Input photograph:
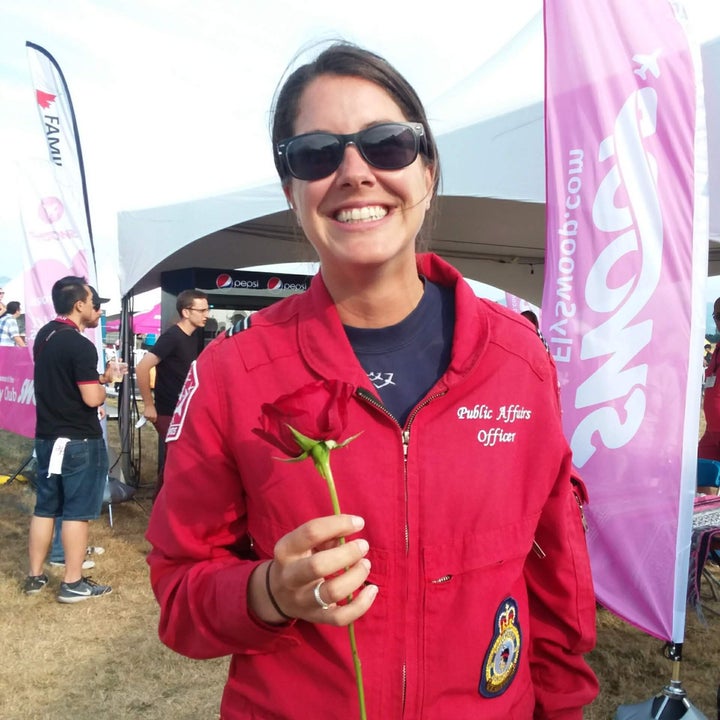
{"type": "Point", "coordinates": [178, 418]}
{"type": "Point", "coordinates": [503, 656]}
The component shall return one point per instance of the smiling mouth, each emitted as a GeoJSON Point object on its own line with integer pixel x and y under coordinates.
{"type": "Point", "coordinates": [363, 214]}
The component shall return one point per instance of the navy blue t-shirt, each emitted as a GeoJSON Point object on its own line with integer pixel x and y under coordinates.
{"type": "Point", "coordinates": [404, 361]}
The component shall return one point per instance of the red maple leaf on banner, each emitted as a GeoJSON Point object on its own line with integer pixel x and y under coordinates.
{"type": "Point", "coordinates": [44, 99]}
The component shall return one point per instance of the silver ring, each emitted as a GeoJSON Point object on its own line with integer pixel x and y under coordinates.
{"type": "Point", "coordinates": [318, 599]}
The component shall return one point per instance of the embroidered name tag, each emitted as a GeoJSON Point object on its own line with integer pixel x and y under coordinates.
{"type": "Point", "coordinates": [503, 655]}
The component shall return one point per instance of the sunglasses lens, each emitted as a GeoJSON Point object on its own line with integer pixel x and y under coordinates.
{"type": "Point", "coordinates": [389, 147]}
{"type": "Point", "coordinates": [314, 156]}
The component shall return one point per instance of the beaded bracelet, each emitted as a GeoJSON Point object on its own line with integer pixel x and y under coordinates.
{"type": "Point", "coordinates": [271, 596]}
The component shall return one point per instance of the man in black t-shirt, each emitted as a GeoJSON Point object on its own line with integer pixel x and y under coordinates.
{"type": "Point", "coordinates": [171, 356]}
{"type": "Point", "coordinates": [69, 445]}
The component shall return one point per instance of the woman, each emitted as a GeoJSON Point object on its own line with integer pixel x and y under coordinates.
{"type": "Point", "coordinates": [465, 553]}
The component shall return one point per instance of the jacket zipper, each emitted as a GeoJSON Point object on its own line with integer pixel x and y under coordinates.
{"type": "Point", "coordinates": [441, 580]}
{"type": "Point", "coordinates": [405, 444]}
{"type": "Point", "coordinates": [405, 436]}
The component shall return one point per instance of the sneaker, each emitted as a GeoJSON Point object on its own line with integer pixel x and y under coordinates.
{"type": "Point", "coordinates": [95, 550]}
{"type": "Point", "coordinates": [34, 584]}
{"type": "Point", "coordinates": [85, 590]}
{"type": "Point", "coordinates": [87, 564]}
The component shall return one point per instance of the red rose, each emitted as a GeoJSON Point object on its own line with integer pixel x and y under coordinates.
{"type": "Point", "coordinates": [318, 410]}
{"type": "Point", "coordinates": [311, 420]}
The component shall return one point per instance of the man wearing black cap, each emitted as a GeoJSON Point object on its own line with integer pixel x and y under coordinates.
{"type": "Point", "coordinates": [69, 445]}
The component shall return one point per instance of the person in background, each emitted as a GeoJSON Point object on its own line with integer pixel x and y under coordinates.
{"type": "Point", "coordinates": [57, 554]}
{"type": "Point", "coordinates": [533, 318]}
{"type": "Point", "coordinates": [9, 331]}
{"type": "Point", "coordinates": [709, 445]}
{"type": "Point", "coordinates": [465, 569]}
{"type": "Point", "coordinates": [2, 301]}
{"type": "Point", "coordinates": [69, 445]}
{"type": "Point", "coordinates": [171, 356]}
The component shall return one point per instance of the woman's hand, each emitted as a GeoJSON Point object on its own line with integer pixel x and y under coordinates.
{"type": "Point", "coordinates": [310, 555]}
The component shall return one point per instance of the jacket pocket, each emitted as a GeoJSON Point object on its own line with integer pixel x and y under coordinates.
{"type": "Point", "coordinates": [469, 584]}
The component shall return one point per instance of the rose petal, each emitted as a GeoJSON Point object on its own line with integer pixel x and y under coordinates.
{"type": "Point", "coordinates": [318, 410]}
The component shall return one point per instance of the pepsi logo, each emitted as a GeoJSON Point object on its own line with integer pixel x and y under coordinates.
{"type": "Point", "coordinates": [274, 283]}
{"type": "Point", "coordinates": [223, 281]}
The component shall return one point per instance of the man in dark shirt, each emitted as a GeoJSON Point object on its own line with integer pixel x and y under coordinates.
{"type": "Point", "coordinates": [69, 445]}
{"type": "Point", "coordinates": [171, 356]}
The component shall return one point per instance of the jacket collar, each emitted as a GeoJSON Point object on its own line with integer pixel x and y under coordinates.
{"type": "Point", "coordinates": [67, 321]}
{"type": "Point", "coordinates": [327, 350]}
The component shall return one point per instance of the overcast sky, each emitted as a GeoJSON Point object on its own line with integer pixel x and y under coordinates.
{"type": "Point", "coordinates": [172, 96]}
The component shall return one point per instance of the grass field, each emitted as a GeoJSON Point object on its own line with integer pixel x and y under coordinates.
{"type": "Point", "coordinates": [102, 659]}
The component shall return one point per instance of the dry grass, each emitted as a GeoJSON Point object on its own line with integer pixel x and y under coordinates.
{"type": "Point", "coordinates": [103, 658]}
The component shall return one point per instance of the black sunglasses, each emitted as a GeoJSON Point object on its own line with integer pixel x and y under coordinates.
{"type": "Point", "coordinates": [716, 316]}
{"type": "Point", "coordinates": [388, 146]}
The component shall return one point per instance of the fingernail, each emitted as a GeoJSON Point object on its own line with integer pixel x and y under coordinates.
{"type": "Point", "coordinates": [371, 590]}
{"type": "Point", "coordinates": [366, 564]}
{"type": "Point", "coordinates": [362, 545]}
{"type": "Point", "coordinates": [357, 522]}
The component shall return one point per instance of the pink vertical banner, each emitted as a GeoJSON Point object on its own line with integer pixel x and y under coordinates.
{"type": "Point", "coordinates": [513, 302]}
{"type": "Point", "coordinates": [518, 304]}
{"type": "Point", "coordinates": [624, 280]}
{"type": "Point", "coordinates": [17, 392]}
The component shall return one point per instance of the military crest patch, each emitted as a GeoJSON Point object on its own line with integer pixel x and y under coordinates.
{"type": "Point", "coordinates": [503, 655]}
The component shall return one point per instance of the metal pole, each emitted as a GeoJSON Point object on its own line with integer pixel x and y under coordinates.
{"type": "Point", "coordinates": [125, 427]}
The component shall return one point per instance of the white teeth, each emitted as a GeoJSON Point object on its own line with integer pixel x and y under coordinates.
{"type": "Point", "coordinates": [370, 212]}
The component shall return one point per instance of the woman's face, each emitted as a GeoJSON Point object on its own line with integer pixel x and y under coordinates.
{"type": "Point", "coordinates": [359, 215]}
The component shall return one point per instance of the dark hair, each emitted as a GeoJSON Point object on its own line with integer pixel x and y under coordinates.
{"type": "Point", "coordinates": [185, 299]}
{"type": "Point", "coordinates": [346, 59]}
{"type": "Point", "coordinates": [531, 316]}
{"type": "Point", "coordinates": [67, 291]}
{"type": "Point", "coordinates": [12, 307]}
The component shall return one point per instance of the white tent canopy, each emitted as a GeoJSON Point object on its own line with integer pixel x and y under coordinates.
{"type": "Point", "coordinates": [490, 217]}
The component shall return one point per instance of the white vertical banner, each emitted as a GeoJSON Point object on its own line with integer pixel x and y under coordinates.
{"type": "Point", "coordinates": [58, 234]}
{"type": "Point", "coordinates": [627, 237]}
{"type": "Point", "coordinates": [54, 205]}
{"type": "Point", "coordinates": [54, 246]}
